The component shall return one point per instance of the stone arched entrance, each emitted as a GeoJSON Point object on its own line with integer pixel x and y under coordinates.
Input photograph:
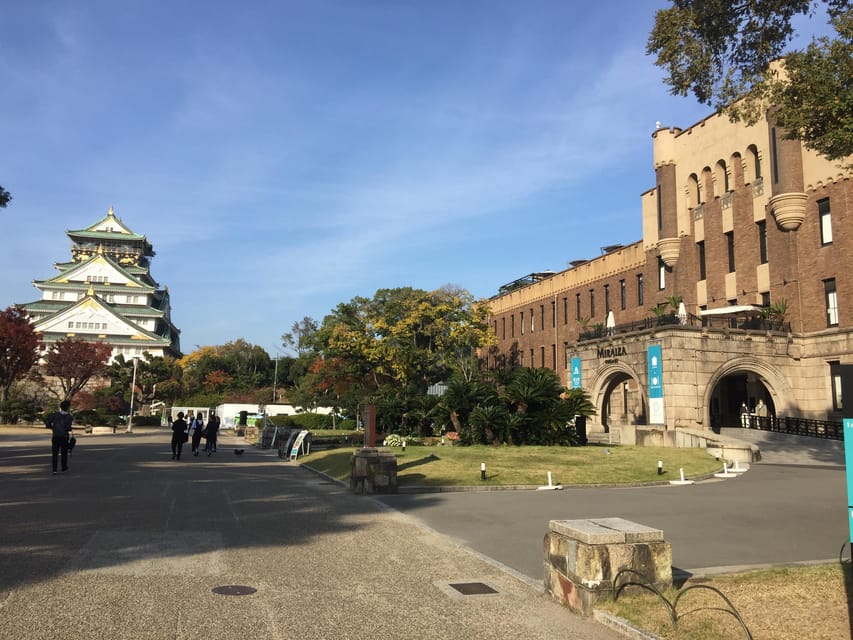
{"type": "Point", "coordinates": [619, 397]}
{"type": "Point", "coordinates": [744, 380]}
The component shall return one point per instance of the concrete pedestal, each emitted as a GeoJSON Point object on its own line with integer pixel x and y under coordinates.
{"type": "Point", "coordinates": [582, 558]}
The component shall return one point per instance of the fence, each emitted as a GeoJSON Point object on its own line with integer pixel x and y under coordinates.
{"type": "Point", "coordinates": [799, 426]}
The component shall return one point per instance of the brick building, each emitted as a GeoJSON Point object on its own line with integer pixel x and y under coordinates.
{"type": "Point", "coordinates": [745, 230]}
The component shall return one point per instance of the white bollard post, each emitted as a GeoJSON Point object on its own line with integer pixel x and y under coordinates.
{"type": "Point", "coordinates": [682, 474]}
{"type": "Point", "coordinates": [549, 479]}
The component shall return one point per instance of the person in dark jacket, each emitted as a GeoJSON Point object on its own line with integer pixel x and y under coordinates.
{"type": "Point", "coordinates": [179, 435]}
{"type": "Point", "coordinates": [59, 422]}
{"type": "Point", "coordinates": [212, 434]}
{"type": "Point", "coordinates": [196, 430]}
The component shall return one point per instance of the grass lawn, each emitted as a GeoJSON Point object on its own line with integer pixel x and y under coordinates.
{"type": "Point", "coordinates": [783, 604]}
{"type": "Point", "coordinates": [460, 466]}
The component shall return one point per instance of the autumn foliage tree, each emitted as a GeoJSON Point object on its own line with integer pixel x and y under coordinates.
{"type": "Point", "coordinates": [74, 362]}
{"type": "Point", "coordinates": [18, 347]}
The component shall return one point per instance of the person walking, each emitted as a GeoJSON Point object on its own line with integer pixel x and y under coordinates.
{"type": "Point", "coordinates": [196, 431]}
{"type": "Point", "coordinates": [212, 433]}
{"type": "Point", "coordinates": [179, 436]}
{"type": "Point", "coordinates": [59, 422]}
{"type": "Point", "coordinates": [744, 415]}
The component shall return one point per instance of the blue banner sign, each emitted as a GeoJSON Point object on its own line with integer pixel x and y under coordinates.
{"type": "Point", "coordinates": [576, 373]}
{"type": "Point", "coordinates": [848, 456]}
{"type": "Point", "coordinates": [655, 368]}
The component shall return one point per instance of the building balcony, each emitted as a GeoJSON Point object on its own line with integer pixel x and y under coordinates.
{"type": "Point", "coordinates": [668, 321]}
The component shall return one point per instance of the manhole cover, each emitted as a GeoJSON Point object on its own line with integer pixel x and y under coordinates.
{"type": "Point", "coordinates": [234, 590]}
{"type": "Point", "coordinates": [473, 588]}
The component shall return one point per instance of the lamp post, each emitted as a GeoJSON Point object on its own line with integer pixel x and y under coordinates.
{"type": "Point", "coordinates": [275, 381]}
{"type": "Point", "coordinates": [132, 394]}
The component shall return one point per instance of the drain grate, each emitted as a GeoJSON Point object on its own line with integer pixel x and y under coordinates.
{"type": "Point", "coordinates": [473, 588]}
{"type": "Point", "coordinates": [234, 590]}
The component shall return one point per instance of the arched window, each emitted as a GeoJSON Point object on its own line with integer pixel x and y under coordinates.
{"type": "Point", "coordinates": [753, 164]}
{"type": "Point", "coordinates": [693, 193]}
{"type": "Point", "coordinates": [706, 185]}
{"type": "Point", "coordinates": [721, 178]}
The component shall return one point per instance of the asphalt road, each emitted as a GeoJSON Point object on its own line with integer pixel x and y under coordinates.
{"type": "Point", "coordinates": [790, 508]}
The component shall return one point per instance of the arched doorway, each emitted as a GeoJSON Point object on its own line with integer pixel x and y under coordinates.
{"type": "Point", "coordinates": [744, 380]}
{"type": "Point", "coordinates": [622, 401]}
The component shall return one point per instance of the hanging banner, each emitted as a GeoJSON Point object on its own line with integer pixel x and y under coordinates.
{"type": "Point", "coordinates": [576, 372]}
{"type": "Point", "coordinates": [847, 422]}
{"type": "Point", "coordinates": [654, 357]}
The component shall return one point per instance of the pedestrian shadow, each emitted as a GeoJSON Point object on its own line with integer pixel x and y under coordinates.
{"type": "Point", "coordinates": [416, 463]}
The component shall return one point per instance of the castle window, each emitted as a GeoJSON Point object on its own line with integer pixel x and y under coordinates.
{"type": "Point", "coordinates": [578, 306]}
{"type": "Point", "coordinates": [623, 294]}
{"type": "Point", "coordinates": [835, 381]}
{"type": "Point", "coordinates": [661, 274]}
{"type": "Point", "coordinates": [640, 293]}
{"type": "Point", "coordinates": [592, 303]}
{"type": "Point", "coordinates": [825, 216]}
{"type": "Point", "coordinates": [700, 247]}
{"type": "Point", "coordinates": [730, 248]}
{"type": "Point", "coordinates": [831, 295]}
{"type": "Point", "coordinates": [762, 241]}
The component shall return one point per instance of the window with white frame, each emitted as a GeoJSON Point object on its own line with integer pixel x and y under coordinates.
{"type": "Point", "coordinates": [831, 295]}
{"type": "Point", "coordinates": [825, 221]}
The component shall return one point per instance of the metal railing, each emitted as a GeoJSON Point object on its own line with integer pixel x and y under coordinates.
{"type": "Point", "coordinates": [826, 429]}
{"type": "Point", "coordinates": [737, 323]}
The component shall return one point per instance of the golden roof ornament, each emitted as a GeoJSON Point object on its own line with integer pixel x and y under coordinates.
{"type": "Point", "coordinates": [110, 212]}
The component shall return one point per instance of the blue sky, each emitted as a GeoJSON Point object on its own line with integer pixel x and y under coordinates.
{"type": "Point", "coordinates": [283, 157]}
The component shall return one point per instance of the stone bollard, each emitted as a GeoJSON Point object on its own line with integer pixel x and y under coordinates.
{"type": "Point", "coordinates": [373, 470]}
{"type": "Point", "coordinates": [582, 558]}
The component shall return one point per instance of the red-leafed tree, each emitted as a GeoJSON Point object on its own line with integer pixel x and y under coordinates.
{"type": "Point", "coordinates": [18, 347]}
{"type": "Point", "coordinates": [74, 362]}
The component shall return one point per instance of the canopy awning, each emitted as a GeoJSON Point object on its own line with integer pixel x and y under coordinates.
{"type": "Point", "coordinates": [734, 310]}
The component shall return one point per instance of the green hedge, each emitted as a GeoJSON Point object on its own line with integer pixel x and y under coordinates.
{"type": "Point", "coordinates": [303, 421]}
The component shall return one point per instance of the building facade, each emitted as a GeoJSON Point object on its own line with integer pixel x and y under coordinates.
{"type": "Point", "coordinates": [738, 292]}
{"type": "Point", "coordinates": [106, 293]}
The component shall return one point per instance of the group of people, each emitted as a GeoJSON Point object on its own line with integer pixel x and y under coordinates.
{"type": "Point", "coordinates": [192, 432]}
{"type": "Point", "coordinates": [760, 411]}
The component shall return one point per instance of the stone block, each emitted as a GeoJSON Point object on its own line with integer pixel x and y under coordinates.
{"type": "Point", "coordinates": [583, 558]}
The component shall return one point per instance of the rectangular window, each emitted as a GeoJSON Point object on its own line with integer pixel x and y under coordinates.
{"type": "Point", "coordinates": [553, 313]}
{"type": "Point", "coordinates": [578, 306]}
{"type": "Point", "coordinates": [56, 295]}
{"type": "Point", "coordinates": [565, 311]}
{"type": "Point", "coordinates": [70, 325]}
{"type": "Point", "coordinates": [592, 303]}
{"type": "Point", "coordinates": [542, 316]}
{"type": "Point", "coordinates": [831, 302]}
{"type": "Point", "coordinates": [835, 381]}
{"type": "Point", "coordinates": [660, 209]}
{"type": "Point", "coordinates": [730, 248]}
{"type": "Point", "coordinates": [503, 328]}
{"type": "Point", "coordinates": [700, 246]}
{"type": "Point", "coordinates": [774, 160]}
{"type": "Point", "coordinates": [825, 221]}
{"type": "Point", "coordinates": [512, 326]}
{"type": "Point", "coordinates": [641, 297]}
{"type": "Point", "coordinates": [765, 299]}
{"type": "Point", "coordinates": [762, 242]}
{"type": "Point", "coordinates": [606, 298]}
{"type": "Point", "coordinates": [661, 274]}
{"type": "Point", "coordinates": [532, 321]}
{"type": "Point", "coordinates": [542, 356]}
{"type": "Point", "coordinates": [623, 294]}
{"type": "Point", "coordinates": [532, 361]}
{"type": "Point", "coordinates": [522, 323]}
{"type": "Point", "coordinates": [554, 356]}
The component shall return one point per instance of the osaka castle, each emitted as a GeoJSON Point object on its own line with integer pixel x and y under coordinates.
{"type": "Point", "coordinates": [106, 293]}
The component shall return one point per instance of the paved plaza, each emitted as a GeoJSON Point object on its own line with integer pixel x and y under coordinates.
{"type": "Point", "coordinates": [130, 544]}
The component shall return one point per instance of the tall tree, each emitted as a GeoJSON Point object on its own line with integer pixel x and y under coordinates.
{"type": "Point", "coordinates": [5, 197]}
{"type": "Point", "coordinates": [18, 347]}
{"type": "Point", "coordinates": [721, 51]}
{"type": "Point", "coordinates": [74, 362]}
